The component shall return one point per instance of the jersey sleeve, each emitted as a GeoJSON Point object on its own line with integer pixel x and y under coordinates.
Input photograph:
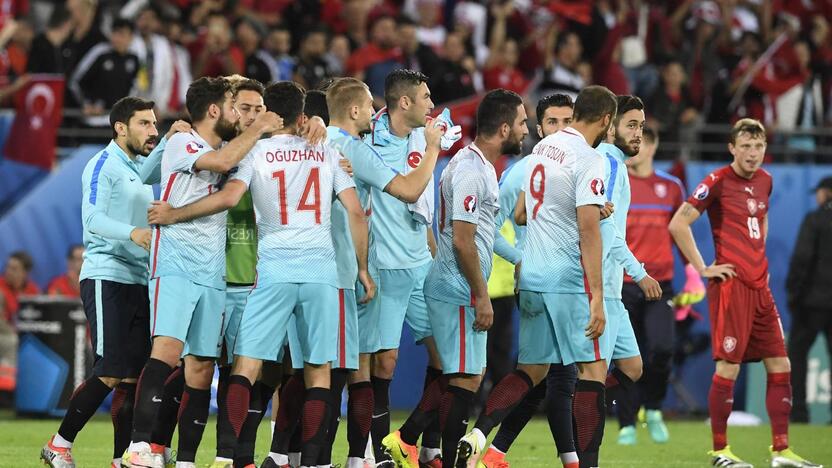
{"type": "Point", "coordinates": [245, 170]}
{"type": "Point", "coordinates": [508, 200]}
{"type": "Point", "coordinates": [182, 151]}
{"type": "Point", "coordinates": [706, 192]}
{"type": "Point", "coordinates": [151, 169]}
{"type": "Point", "coordinates": [340, 179]}
{"type": "Point", "coordinates": [367, 165]}
{"type": "Point", "coordinates": [467, 188]}
{"type": "Point", "coordinates": [95, 207]}
{"type": "Point", "coordinates": [589, 181]}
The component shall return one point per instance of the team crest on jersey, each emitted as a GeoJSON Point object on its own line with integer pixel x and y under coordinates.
{"type": "Point", "coordinates": [470, 203]}
{"type": "Point", "coordinates": [597, 186]}
{"type": "Point", "coordinates": [729, 344]}
{"type": "Point", "coordinates": [414, 159]}
{"type": "Point", "coordinates": [193, 147]}
{"type": "Point", "coordinates": [701, 192]}
{"type": "Point", "coordinates": [752, 206]}
{"type": "Point", "coordinates": [660, 190]}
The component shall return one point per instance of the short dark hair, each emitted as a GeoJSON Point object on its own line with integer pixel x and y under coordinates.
{"type": "Point", "coordinates": [648, 134]}
{"type": "Point", "coordinates": [247, 84]}
{"type": "Point", "coordinates": [400, 83]}
{"type": "Point", "coordinates": [562, 37]}
{"type": "Point", "coordinates": [752, 127]}
{"type": "Point", "coordinates": [204, 92]}
{"type": "Point", "coordinates": [59, 17]}
{"type": "Point", "coordinates": [552, 100]}
{"type": "Point", "coordinates": [404, 20]}
{"type": "Point", "coordinates": [24, 258]}
{"type": "Point", "coordinates": [627, 103]}
{"type": "Point", "coordinates": [315, 30]}
{"type": "Point", "coordinates": [315, 105]}
{"type": "Point", "coordinates": [498, 107]}
{"type": "Point", "coordinates": [593, 103]}
{"type": "Point", "coordinates": [124, 109]}
{"type": "Point", "coordinates": [122, 23]}
{"type": "Point", "coordinates": [72, 248]}
{"type": "Point", "coordinates": [285, 98]}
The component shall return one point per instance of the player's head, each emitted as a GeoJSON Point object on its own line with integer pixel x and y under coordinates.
{"type": "Point", "coordinates": [134, 125]}
{"type": "Point", "coordinates": [501, 114]}
{"type": "Point", "coordinates": [629, 124]}
{"type": "Point", "coordinates": [649, 145]}
{"type": "Point", "coordinates": [406, 92]}
{"type": "Point", "coordinates": [595, 108]}
{"type": "Point", "coordinates": [212, 100]}
{"type": "Point", "coordinates": [121, 35]}
{"type": "Point", "coordinates": [74, 258]}
{"type": "Point", "coordinates": [554, 113]}
{"type": "Point", "coordinates": [314, 105]}
{"type": "Point", "coordinates": [349, 101]}
{"type": "Point", "coordinates": [747, 144]}
{"type": "Point", "coordinates": [248, 99]}
{"type": "Point", "coordinates": [285, 98]}
{"type": "Point", "coordinates": [18, 267]}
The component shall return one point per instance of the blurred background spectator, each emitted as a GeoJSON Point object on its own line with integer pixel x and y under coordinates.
{"type": "Point", "coordinates": [68, 284]}
{"type": "Point", "coordinates": [15, 282]}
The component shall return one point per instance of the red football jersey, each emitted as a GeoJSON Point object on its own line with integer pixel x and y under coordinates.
{"type": "Point", "coordinates": [736, 208]}
{"type": "Point", "coordinates": [62, 286]}
{"type": "Point", "coordinates": [653, 201]}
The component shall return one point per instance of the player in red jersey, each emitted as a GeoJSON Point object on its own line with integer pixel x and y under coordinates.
{"type": "Point", "coordinates": [745, 325]}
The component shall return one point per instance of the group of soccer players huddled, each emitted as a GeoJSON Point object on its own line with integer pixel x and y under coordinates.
{"type": "Point", "coordinates": [293, 239]}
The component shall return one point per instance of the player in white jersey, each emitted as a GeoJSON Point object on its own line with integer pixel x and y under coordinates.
{"type": "Point", "coordinates": [561, 289]}
{"type": "Point", "coordinates": [187, 265]}
{"type": "Point", "coordinates": [459, 308]}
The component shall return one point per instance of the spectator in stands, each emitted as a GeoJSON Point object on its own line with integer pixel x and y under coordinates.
{"type": "Point", "coordinates": [21, 43]}
{"type": "Point", "coordinates": [259, 65]}
{"type": "Point", "coordinates": [458, 74]}
{"type": "Point", "coordinates": [279, 45]}
{"type": "Point", "coordinates": [501, 67]}
{"type": "Point", "coordinates": [105, 74]}
{"type": "Point", "coordinates": [561, 73]}
{"type": "Point", "coordinates": [429, 14]}
{"type": "Point", "coordinates": [215, 54]}
{"type": "Point", "coordinates": [670, 106]}
{"type": "Point", "coordinates": [312, 69]}
{"type": "Point", "coordinates": [269, 12]}
{"type": "Point", "coordinates": [11, 80]}
{"type": "Point", "coordinates": [416, 55]}
{"type": "Point", "coordinates": [802, 107]}
{"type": "Point", "coordinates": [68, 284]}
{"type": "Point", "coordinates": [607, 68]}
{"type": "Point", "coordinates": [85, 35]}
{"type": "Point", "coordinates": [373, 62]}
{"type": "Point", "coordinates": [338, 54]}
{"type": "Point", "coordinates": [809, 294]}
{"type": "Point", "coordinates": [46, 55]}
{"type": "Point", "coordinates": [15, 282]}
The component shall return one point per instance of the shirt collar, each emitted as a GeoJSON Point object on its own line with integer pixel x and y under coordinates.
{"type": "Point", "coordinates": [612, 150]}
{"type": "Point", "coordinates": [115, 149]}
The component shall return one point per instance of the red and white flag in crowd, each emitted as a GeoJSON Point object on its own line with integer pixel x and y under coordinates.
{"type": "Point", "coordinates": [38, 113]}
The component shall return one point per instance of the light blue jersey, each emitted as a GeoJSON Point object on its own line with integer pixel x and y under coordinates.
{"type": "Point", "coordinates": [399, 241]}
{"type": "Point", "coordinates": [562, 173]}
{"type": "Point", "coordinates": [369, 171]}
{"type": "Point", "coordinates": [114, 202]}
{"type": "Point", "coordinates": [511, 184]}
{"type": "Point", "coordinates": [617, 255]}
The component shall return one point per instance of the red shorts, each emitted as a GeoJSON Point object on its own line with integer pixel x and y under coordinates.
{"type": "Point", "coordinates": [745, 324]}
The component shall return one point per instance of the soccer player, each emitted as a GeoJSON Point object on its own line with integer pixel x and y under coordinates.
{"type": "Point", "coordinates": [624, 142]}
{"type": "Point", "coordinates": [113, 278]}
{"type": "Point", "coordinates": [745, 324]}
{"type": "Point", "coordinates": [655, 195]}
{"type": "Point", "coordinates": [351, 109]}
{"type": "Point", "coordinates": [554, 113]}
{"type": "Point", "coordinates": [561, 289]}
{"type": "Point", "coordinates": [400, 251]}
{"type": "Point", "coordinates": [458, 304]}
{"type": "Point", "coordinates": [187, 266]}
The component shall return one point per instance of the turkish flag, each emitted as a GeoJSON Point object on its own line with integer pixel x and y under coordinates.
{"type": "Point", "coordinates": [39, 110]}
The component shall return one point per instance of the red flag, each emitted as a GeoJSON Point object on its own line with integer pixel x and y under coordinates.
{"type": "Point", "coordinates": [39, 110]}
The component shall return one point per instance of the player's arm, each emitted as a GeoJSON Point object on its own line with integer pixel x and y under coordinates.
{"type": "Point", "coordinates": [469, 264]}
{"type": "Point", "coordinates": [621, 254]}
{"type": "Point", "coordinates": [95, 208]}
{"type": "Point", "coordinates": [151, 169]}
{"type": "Point", "coordinates": [520, 209]}
{"type": "Point", "coordinates": [360, 239]}
{"type": "Point", "coordinates": [409, 187]}
{"type": "Point", "coordinates": [682, 234]}
{"type": "Point", "coordinates": [162, 213]}
{"type": "Point", "coordinates": [431, 242]}
{"type": "Point", "coordinates": [502, 246]}
{"type": "Point", "coordinates": [589, 235]}
{"type": "Point", "coordinates": [227, 157]}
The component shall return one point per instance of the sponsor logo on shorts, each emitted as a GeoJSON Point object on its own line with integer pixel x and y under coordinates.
{"type": "Point", "coordinates": [729, 344]}
{"type": "Point", "coordinates": [701, 192]}
{"type": "Point", "coordinates": [597, 186]}
{"type": "Point", "coordinates": [470, 203]}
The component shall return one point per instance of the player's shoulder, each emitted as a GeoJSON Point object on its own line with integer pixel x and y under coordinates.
{"type": "Point", "coordinates": [664, 176]}
{"type": "Point", "coordinates": [98, 163]}
{"type": "Point", "coordinates": [764, 175]}
{"type": "Point", "coordinates": [185, 141]}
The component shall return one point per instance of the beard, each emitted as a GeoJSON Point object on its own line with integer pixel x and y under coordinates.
{"type": "Point", "coordinates": [626, 147]}
{"type": "Point", "coordinates": [512, 147]}
{"type": "Point", "coordinates": [139, 148]}
{"type": "Point", "coordinates": [225, 129]}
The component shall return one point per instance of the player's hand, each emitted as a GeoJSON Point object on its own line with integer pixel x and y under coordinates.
{"type": "Point", "coordinates": [161, 213]}
{"type": "Point", "coordinates": [651, 289]}
{"type": "Point", "coordinates": [180, 126]}
{"type": "Point", "coordinates": [607, 210]}
{"type": "Point", "coordinates": [141, 237]}
{"type": "Point", "coordinates": [369, 286]}
{"type": "Point", "coordinates": [314, 131]}
{"type": "Point", "coordinates": [485, 314]}
{"type": "Point", "coordinates": [268, 122]}
{"type": "Point", "coordinates": [721, 272]}
{"type": "Point", "coordinates": [433, 133]}
{"type": "Point", "coordinates": [345, 164]}
{"type": "Point", "coordinates": [597, 319]}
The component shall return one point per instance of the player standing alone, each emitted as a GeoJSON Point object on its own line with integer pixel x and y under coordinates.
{"type": "Point", "coordinates": [745, 324]}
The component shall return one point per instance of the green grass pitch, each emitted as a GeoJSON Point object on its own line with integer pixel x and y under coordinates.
{"type": "Point", "coordinates": [21, 440]}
